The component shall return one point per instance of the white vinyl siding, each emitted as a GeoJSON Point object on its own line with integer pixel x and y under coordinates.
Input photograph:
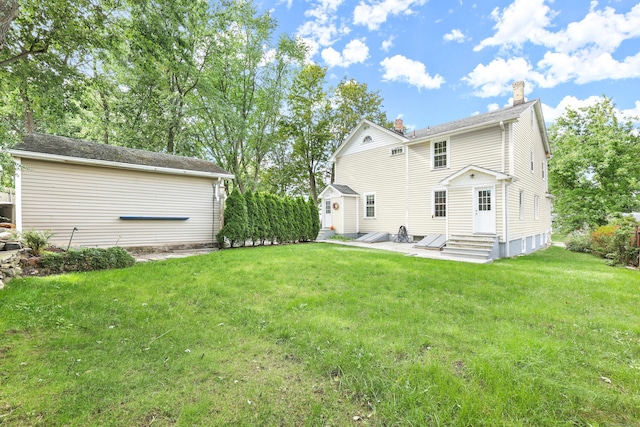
{"type": "Point", "coordinates": [370, 170]}
{"type": "Point", "coordinates": [536, 207]}
{"type": "Point", "coordinates": [521, 204]}
{"type": "Point", "coordinates": [61, 196]}
{"type": "Point", "coordinates": [528, 147]}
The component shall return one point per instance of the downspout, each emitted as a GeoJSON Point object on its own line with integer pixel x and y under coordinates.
{"type": "Point", "coordinates": [216, 199]}
{"type": "Point", "coordinates": [503, 146]}
{"type": "Point", "coordinates": [18, 183]}
{"type": "Point", "coordinates": [505, 202]}
{"type": "Point", "coordinates": [406, 188]}
{"type": "Point", "coordinates": [358, 214]}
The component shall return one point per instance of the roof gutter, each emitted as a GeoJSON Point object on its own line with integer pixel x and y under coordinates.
{"type": "Point", "coordinates": [115, 165]}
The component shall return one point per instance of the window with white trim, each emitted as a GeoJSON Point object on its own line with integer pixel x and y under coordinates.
{"type": "Point", "coordinates": [397, 151]}
{"type": "Point", "coordinates": [369, 205]}
{"type": "Point", "coordinates": [536, 207]}
{"type": "Point", "coordinates": [544, 170]}
{"type": "Point", "coordinates": [521, 204]}
{"type": "Point", "coordinates": [327, 206]}
{"type": "Point", "coordinates": [440, 203]}
{"type": "Point", "coordinates": [440, 154]}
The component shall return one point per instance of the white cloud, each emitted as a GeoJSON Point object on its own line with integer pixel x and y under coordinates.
{"type": "Point", "coordinates": [455, 35]}
{"type": "Point", "coordinates": [633, 112]}
{"type": "Point", "coordinates": [496, 78]}
{"type": "Point", "coordinates": [356, 51]}
{"type": "Point", "coordinates": [493, 107]}
{"type": "Point", "coordinates": [372, 15]}
{"type": "Point", "coordinates": [521, 21]}
{"type": "Point", "coordinates": [324, 28]}
{"type": "Point", "coordinates": [582, 52]}
{"type": "Point", "coordinates": [388, 44]}
{"type": "Point", "coordinates": [551, 114]}
{"type": "Point", "coordinates": [402, 69]}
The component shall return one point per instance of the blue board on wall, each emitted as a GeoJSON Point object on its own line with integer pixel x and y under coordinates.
{"type": "Point", "coordinates": [156, 218]}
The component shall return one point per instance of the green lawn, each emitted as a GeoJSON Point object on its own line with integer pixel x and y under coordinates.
{"type": "Point", "coordinates": [322, 334]}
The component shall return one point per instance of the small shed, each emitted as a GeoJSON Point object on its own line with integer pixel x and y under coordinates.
{"type": "Point", "coordinates": [107, 195]}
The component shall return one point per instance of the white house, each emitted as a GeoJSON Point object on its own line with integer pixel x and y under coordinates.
{"type": "Point", "coordinates": [477, 185]}
{"type": "Point", "coordinates": [114, 195]}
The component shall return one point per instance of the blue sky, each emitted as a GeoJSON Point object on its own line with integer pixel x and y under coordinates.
{"type": "Point", "coordinates": [437, 61]}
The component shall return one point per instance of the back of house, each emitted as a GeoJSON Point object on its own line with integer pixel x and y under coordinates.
{"type": "Point", "coordinates": [479, 182]}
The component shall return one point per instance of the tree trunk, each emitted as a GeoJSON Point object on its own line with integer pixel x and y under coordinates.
{"type": "Point", "coordinates": [170, 139]}
{"type": "Point", "coordinates": [312, 185]}
{"type": "Point", "coordinates": [29, 124]}
{"type": "Point", "coordinates": [8, 12]}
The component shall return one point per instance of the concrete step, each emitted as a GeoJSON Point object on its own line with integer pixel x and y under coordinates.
{"type": "Point", "coordinates": [467, 253]}
{"type": "Point", "coordinates": [325, 233]}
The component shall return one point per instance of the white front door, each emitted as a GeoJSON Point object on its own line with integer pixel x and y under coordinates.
{"type": "Point", "coordinates": [484, 211]}
{"type": "Point", "coordinates": [326, 213]}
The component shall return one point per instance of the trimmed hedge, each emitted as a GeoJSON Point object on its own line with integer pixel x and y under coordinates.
{"type": "Point", "coordinates": [86, 259]}
{"type": "Point", "coordinates": [262, 216]}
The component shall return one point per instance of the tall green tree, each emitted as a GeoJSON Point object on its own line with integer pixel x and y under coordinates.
{"type": "Point", "coordinates": [308, 124]}
{"type": "Point", "coordinates": [242, 94]}
{"type": "Point", "coordinates": [595, 168]}
{"type": "Point", "coordinates": [45, 51]}
{"type": "Point", "coordinates": [352, 102]}
{"type": "Point", "coordinates": [168, 46]}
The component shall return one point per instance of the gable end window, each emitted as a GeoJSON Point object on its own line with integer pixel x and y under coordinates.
{"type": "Point", "coordinates": [440, 154]}
{"type": "Point", "coordinates": [369, 205]}
{"type": "Point", "coordinates": [440, 204]}
{"type": "Point", "coordinates": [397, 151]}
{"type": "Point", "coordinates": [367, 139]}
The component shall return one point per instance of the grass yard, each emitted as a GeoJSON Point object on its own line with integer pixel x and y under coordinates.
{"type": "Point", "coordinates": [322, 334]}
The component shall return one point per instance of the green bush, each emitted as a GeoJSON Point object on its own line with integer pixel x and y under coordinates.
{"type": "Point", "coordinates": [36, 240]}
{"type": "Point", "coordinates": [235, 229]}
{"type": "Point", "coordinates": [578, 241]}
{"type": "Point", "coordinates": [623, 248]}
{"type": "Point", "coordinates": [602, 239]}
{"type": "Point", "coordinates": [86, 259]}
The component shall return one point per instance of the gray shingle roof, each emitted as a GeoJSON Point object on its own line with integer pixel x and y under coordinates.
{"type": "Point", "coordinates": [504, 114]}
{"type": "Point", "coordinates": [344, 189]}
{"type": "Point", "coordinates": [63, 146]}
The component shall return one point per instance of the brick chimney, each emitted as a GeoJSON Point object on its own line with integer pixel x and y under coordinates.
{"type": "Point", "coordinates": [518, 93]}
{"type": "Point", "coordinates": [399, 126]}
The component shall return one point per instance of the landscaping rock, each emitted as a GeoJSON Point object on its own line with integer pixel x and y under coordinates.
{"type": "Point", "coordinates": [12, 246]}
